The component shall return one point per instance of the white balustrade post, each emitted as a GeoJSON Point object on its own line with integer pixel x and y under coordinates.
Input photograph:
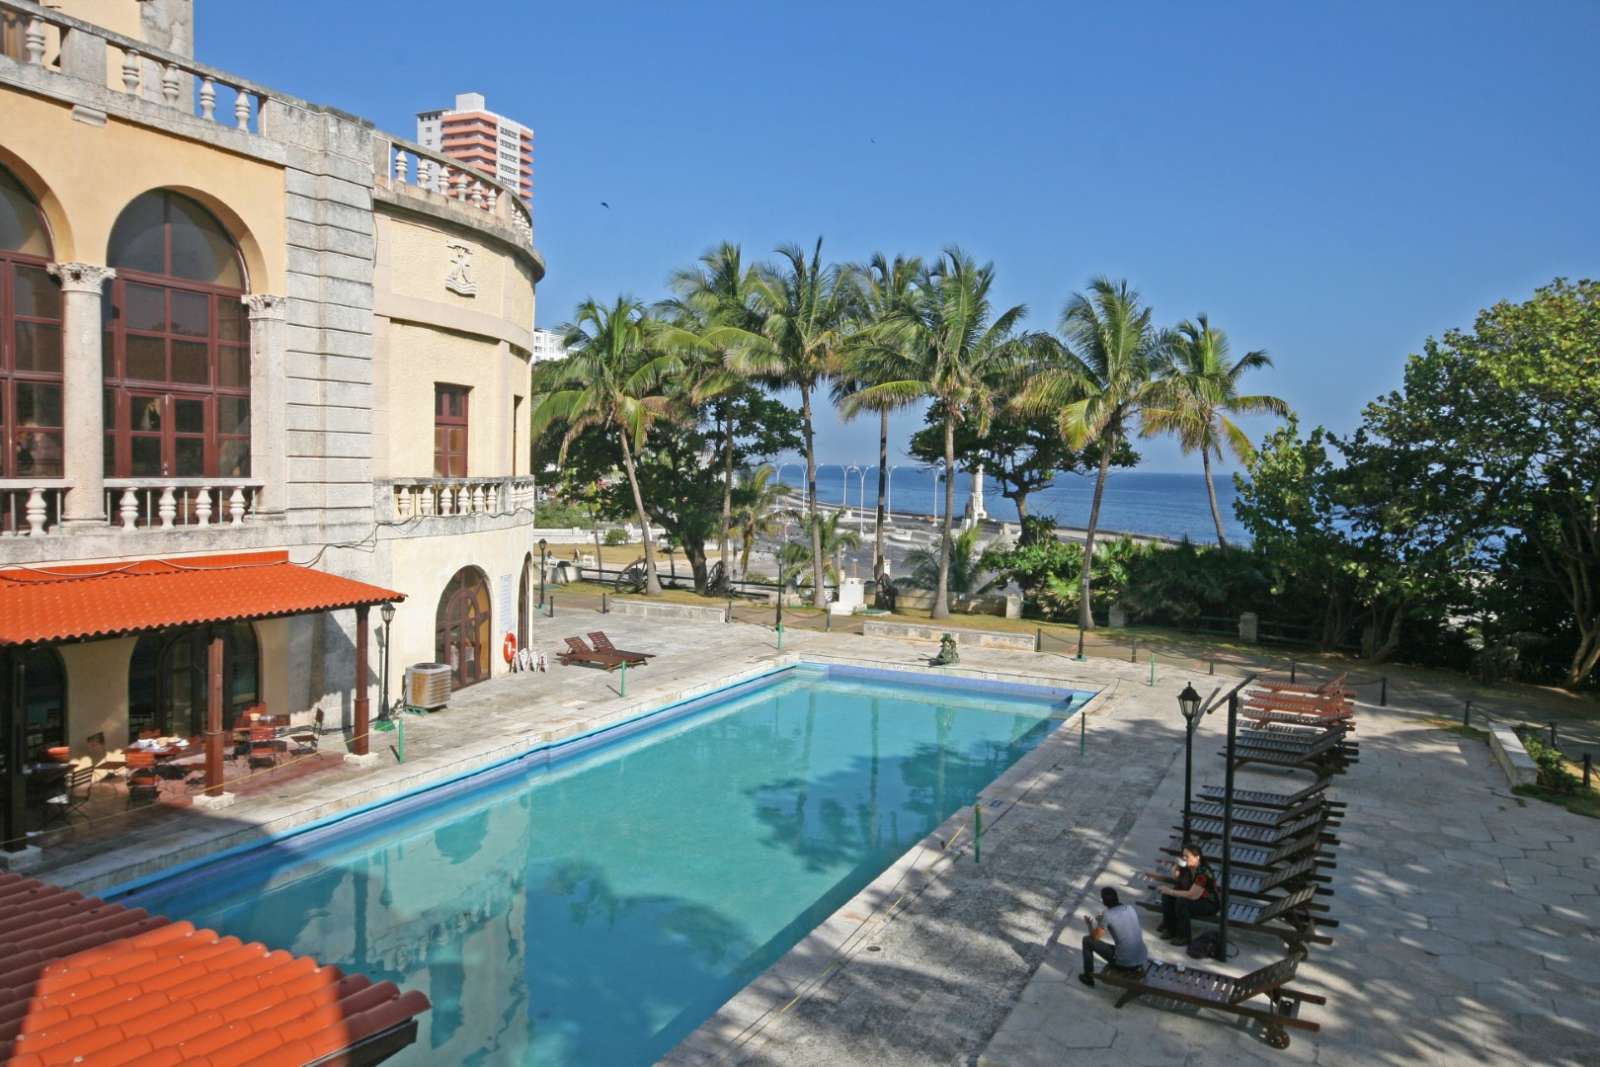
{"type": "Point", "coordinates": [33, 41]}
{"type": "Point", "coordinates": [424, 173]}
{"type": "Point", "coordinates": [401, 167]}
{"type": "Point", "coordinates": [241, 108]}
{"type": "Point", "coordinates": [477, 194]}
{"type": "Point", "coordinates": [167, 508]}
{"type": "Point", "coordinates": [494, 499]}
{"type": "Point", "coordinates": [128, 508]}
{"type": "Point", "coordinates": [477, 499]}
{"type": "Point", "coordinates": [208, 99]}
{"type": "Point", "coordinates": [236, 507]}
{"type": "Point", "coordinates": [169, 84]}
{"type": "Point", "coordinates": [36, 512]}
{"type": "Point", "coordinates": [83, 383]}
{"type": "Point", "coordinates": [202, 506]}
{"type": "Point", "coordinates": [132, 65]}
{"type": "Point", "coordinates": [268, 402]}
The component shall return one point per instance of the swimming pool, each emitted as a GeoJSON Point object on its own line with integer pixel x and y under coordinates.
{"type": "Point", "coordinates": [594, 901]}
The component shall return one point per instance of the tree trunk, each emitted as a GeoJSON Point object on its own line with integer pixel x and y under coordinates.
{"type": "Point", "coordinates": [745, 538]}
{"type": "Point", "coordinates": [1085, 610]}
{"type": "Point", "coordinates": [941, 596]}
{"type": "Point", "coordinates": [883, 488]}
{"type": "Point", "coordinates": [819, 588]}
{"type": "Point", "coordinates": [727, 504]}
{"type": "Point", "coordinates": [1211, 491]}
{"type": "Point", "coordinates": [696, 555]}
{"type": "Point", "coordinates": [652, 584]}
{"type": "Point", "coordinates": [1020, 500]}
{"type": "Point", "coordinates": [594, 517]}
{"type": "Point", "coordinates": [1381, 653]}
{"type": "Point", "coordinates": [1585, 658]}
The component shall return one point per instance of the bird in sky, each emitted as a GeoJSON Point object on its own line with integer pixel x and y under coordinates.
{"type": "Point", "coordinates": [605, 205]}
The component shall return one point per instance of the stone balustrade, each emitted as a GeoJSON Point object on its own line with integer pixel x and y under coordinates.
{"type": "Point", "coordinates": [180, 503]}
{"type": "Point", "coordinates": [414, 498]}
{"type": "Point", "coordinates": [124, 65]}
{"type": "Point", "coordinates": [30, 507]}
{"type": "Point", "coordinates": [405, 164]}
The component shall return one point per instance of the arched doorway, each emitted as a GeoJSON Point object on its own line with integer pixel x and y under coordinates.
{"type": "Point", "coordinates": [168, 678]}
{"type": "Point", "coordinates": [177, 345]}
{"type": "Point", "coordinates": [462, 627]}
{"type": "Point", "coordinates": [32, 433]}
{"type": "Point", "coordinates": [525, 601]}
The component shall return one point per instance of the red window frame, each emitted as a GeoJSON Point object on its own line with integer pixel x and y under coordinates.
{"type": "Point", "coordinates": [450, 430]}
{"type": "Point", "coordinates": [15, 381]}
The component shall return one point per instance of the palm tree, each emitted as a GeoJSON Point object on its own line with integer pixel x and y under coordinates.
{"type": "Point", "coordinates": [966, 575]}
{"type": "Point", "coordinates": [949, 346]}
{"type": "Point", "coordinates": [614, 378]}
{"type": "Point", "coordinates": [887, 289]}
{"type": "Point", "coordinates": [1101, 378]}
{"type": "Point", "coordinates": [1197, 392]}
{"type": "Point", "coordinates": [758, 512]}
{"type": "Point", "coordinates": [717, 300]}
{"type": "Point", "coordinates": [806, 308]}
{"type": "Point", "coordinates": [834, 539]}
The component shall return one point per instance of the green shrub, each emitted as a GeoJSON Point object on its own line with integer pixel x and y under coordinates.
{"type": "Point", "coordinates": [1553, 773]}
{"type": "Point", "coordinates": [615, 536]}
{"type": "Point", "coordinates": [555, 514]}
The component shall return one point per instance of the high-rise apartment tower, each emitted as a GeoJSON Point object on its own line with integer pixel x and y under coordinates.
{"type": "Point", "coordinates": [489, 143]}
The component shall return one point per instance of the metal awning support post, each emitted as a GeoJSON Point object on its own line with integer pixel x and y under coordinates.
{"type": "Point", "coordinates": [16, 829]}
{"type": "Point", "coordinates": [214, 714]}
{"type": "Point", "coordinates": [362, 704]}
{"type": "Point", "coordinates": [1227, 821]}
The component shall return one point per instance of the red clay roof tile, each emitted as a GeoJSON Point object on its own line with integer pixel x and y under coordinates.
{"type": "Point", "coordinates": [99, 985]}
{"type": "Point", "coordinates": [41, 605]}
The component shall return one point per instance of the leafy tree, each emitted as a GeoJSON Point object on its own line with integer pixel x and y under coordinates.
{"type": "Point", "coordinates": [1022, 453]}
{"type": "Point", "coordinates": [807, 310]}
{"type": "Point", "coordinates": [614, 378]}
{"type": "Point", "coordinates": [951, 346]}
{"type": "Point", "coordinates": [1101, 378]}
{"type": "Point", "coordinates": [888, 292]}
{"type": "Point", "coordinates": [1197, 391]}
{"type": "Point", "coordinates": [834, 538]}
{"type": "Point", "coordinates": [967, 575]}
{"type": "Point", "coordinates": [757, 515]}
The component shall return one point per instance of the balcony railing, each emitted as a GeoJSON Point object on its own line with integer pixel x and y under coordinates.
{"type": "Point", "coordinates": [30, 508]}
{"type": "Point", "coordinates": [124, 65]}
{"type": "Point", "coordinates": [406, 164]}
{"type": "Point", "coordinates": [180, 503]}
{"type": "Point", "coordinates": [412, 498]}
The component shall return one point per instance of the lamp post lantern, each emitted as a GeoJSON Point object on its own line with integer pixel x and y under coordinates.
{"type": "Point", "coordinates": [544, 547]}
{"type": "Point", "coordinates": [1189, 705]}
{"type": "Point", "coordinates": [387, 614]}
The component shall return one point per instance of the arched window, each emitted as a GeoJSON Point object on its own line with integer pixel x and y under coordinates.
{"type": "Point", "coordinates": [177, 345]}
{"type": "Point", "coordinates": [461, 627]}
{"type": "Point", "coordinates": [31, 435]}
{"type": "Point", "coordinates": [168, 680]}
{"type": "Point", "coordinates": [44, 695]}
{"type": "Point", "coordinates": [524, 600]}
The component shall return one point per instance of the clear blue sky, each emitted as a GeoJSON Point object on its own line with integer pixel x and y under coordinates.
{"type": "Point", "coordinates": [1330, 182]}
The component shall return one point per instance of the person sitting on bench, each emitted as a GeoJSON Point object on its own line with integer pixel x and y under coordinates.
{"type": "Point", "coordinates": [1195, 893]}
{"type": "Point", "coordinates": [1126, 952]}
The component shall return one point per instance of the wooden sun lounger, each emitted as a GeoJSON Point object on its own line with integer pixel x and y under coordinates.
{"type": "Point", "coordinates": [1264, 816]}
{"type": "Point", "coordinates": [1278, 734]}
{"type": "Point", "coordinates": [578, 652]}
{"type": "Point", "coordinates": [1220, 992]}
{"type": "Point", "coordinates": [1264, 799]}
{"type": "Point", "coordinates": [1253, 834]}
{"type": "Point", "coordinates": [1265, 858]}
{"type": "Point", "coordinates": [602, 643]}
{"type": "Point", "coordinates": [1288, 918]}
{"type": "Point", "coordinates": [1334, 685]}
{"type": "Point", "coordinates": [1256, 883]}
{"type": "Point", "coordinates": [1296, 718]}
{"type": "Point", "coordinates": [1341, 709]}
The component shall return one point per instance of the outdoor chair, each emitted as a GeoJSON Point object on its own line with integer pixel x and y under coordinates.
{"type": "Point", "coordinates": [1263, 799]}
{"type": "Point", "coordinates": [578, 652]}
{"type": "Point", "coordinates": [1220, 992]}
{"type": "Point", "coordinates": [1298, 718]}
{"type": "Point", "coordinates": [1254, 883]}
{"type": "Point", "coordinates": [62, 806]}
{"type": "Point", "coordinates": [1264, 816]}
{"type": "Point", "coordinates": [1253, 834]}
{"type": "Point", "coordinates": [602, 643]}
{"type": "Point", "coordinates": [1333, 686]}
{"type": "Point", "coordinates": [144, 784]}
{"type": "Point", "coordinates": [263, 746]}
{"type": "Point", "coordinates": [307, 738]}
{"type": "Point", "coordinates": [1269, 857]}
{"type": "Point", "coordinates": [1288, 918]}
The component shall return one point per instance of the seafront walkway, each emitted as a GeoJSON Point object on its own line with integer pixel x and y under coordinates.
{"type": "Point", "coordinates": [1470, 921]}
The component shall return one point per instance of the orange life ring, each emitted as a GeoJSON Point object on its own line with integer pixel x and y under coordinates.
{"type": "Point", "coordinates": [509, 648]}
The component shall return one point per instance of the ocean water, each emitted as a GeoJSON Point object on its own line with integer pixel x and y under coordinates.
{"type": "Point", "coordinates": [1165, 505]}
{"type": "Point", "coordinates": [596, 909]}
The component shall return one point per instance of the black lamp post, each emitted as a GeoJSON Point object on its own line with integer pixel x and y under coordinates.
{"type": "Point", "coordinates": [1189, 705]}
{"type": "Point", "coordinates": [543, 548]}
{"type": "Point", "coordinates": [387, 613]}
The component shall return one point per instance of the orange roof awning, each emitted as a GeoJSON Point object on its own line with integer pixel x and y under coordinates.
{"type": "Point", "coordinates": [39, 605]}
{"type": "Point", "coordinates": [84, 981]}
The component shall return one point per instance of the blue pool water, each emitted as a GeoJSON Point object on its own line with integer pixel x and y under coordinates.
{"type": "Point", "coordinates": [594, 903]}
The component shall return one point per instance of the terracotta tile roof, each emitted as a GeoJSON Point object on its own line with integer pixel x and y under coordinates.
{"type": "Point", "coordinates": [89, 983]}
{"type": "Point", "coordinates": [42, 604]}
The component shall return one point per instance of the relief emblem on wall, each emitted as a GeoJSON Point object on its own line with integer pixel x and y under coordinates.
{"type": "Point", "coordinates": [459, 279]}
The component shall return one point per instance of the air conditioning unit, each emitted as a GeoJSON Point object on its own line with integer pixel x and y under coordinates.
{"type": "Point", "coordinates": [428, 685]}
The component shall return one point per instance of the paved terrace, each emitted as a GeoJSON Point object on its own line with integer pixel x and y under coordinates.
{"type": "Point", "coordinates": [1470, 921]}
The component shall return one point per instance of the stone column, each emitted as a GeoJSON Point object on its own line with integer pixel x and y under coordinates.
{"type": "Point", "coordinates": [268, 403]}
{"type": "Point", "coordinates": [82, 386]}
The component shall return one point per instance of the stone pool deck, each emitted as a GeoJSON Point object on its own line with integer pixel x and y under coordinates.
{"type": "Point", "coordinates": [1470, 921]}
